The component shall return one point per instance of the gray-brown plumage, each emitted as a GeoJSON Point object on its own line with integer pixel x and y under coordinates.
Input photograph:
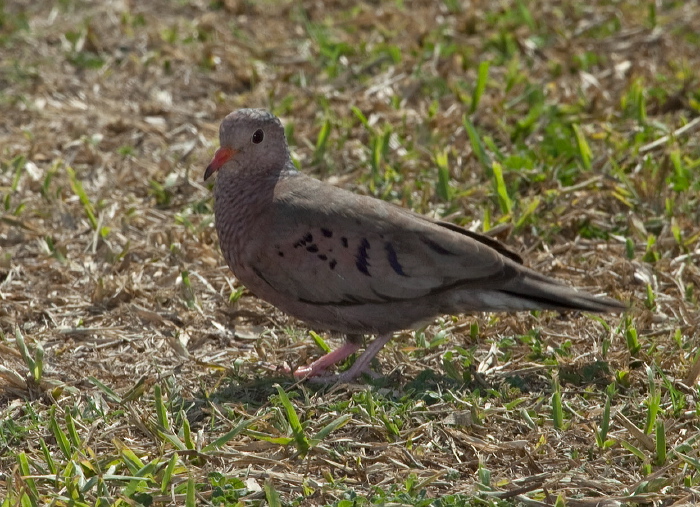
{"type": "Point", "coordinates": [351, 263]}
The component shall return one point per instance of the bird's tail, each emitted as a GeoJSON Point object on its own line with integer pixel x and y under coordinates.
{"type": "Point", "coordinates": [543, 293]}
{"type": "Point", "coordinates": [530, 290]}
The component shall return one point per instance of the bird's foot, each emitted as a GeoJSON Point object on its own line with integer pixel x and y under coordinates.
{"type": "Point", "coordinates": [310, 371]}
{"type": "Point", "coordinates": [319, 368]}
{"type": "Point", "coordinates": [315, 372]}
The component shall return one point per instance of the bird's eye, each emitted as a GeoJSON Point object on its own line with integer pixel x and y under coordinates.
{"type": "Point", "coordinates": [258, 136]}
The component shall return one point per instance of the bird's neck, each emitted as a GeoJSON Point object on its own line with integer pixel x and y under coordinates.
{"type": "Point", "coordinates": [242, 202]}
{"type": "Point", "coordinates": [238, 187]}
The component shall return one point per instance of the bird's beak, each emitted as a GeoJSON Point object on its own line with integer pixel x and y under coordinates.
{"type": "Point", "coordinates": [221, 156]}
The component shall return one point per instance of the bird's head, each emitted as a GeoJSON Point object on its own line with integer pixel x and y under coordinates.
{"type": "Point", "coordinates": [251, 139]}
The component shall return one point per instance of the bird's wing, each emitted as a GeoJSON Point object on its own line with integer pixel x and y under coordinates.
{"type": "Point", "coordinates": [324, 245]}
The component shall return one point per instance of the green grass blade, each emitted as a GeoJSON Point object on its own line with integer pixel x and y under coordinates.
{"type": "Point", "coordinates": [142, 477]}
{"type": "Point", "coordinates": [360, 116]}
{"type": "Point", "coordinates": [22, 346]}
{"type": "Point", "coordinates": [48, 459]}
{"type": "Point", "coordinates": [504, 201]}
{"type": "Point", "coordinates": [111, 394]}
{"type": "Point", "coordinates": [693, 462]}
{"type": "Point", "coordinates": [26, 472]}
{"type": "Point", "coordinates": [482, 76]}
{"type": "Point", "coordinates": [19, 163]}
{"type": "Point", "coordinates": [584, 150]}
{"type": "Point", "coordinates": [293, 419]}
{"type": "Point", "coordinates": [173, 439]}
{"type": "Point", "coordinates": [602, 432]}
{"type": "Point", "coordinates": [168, 473]}
{"type": "Point", "coordinates": [72, 433]}
{"type": "Point", "coordinates": [526, 15]}
{"type": "Point", "coordinates": [477, 144]}
{"type": "Point", "coordinates": [443, 190]}
{"type": "Point", "coordinates": [653, 402]}
{"type": "Point", "coordinates": [190, 497]}
{"type": "Point", "coordinates": [322, 141]}
{"type": "Point", "coordinates": [634, 450]}
{"type": "Point", "coordinates": [59, 435]}
{"type": "Point", "coordinates": [631, 338]}
{"type": "Point", "coordinates": [224, 439]}
{"type": "Point", "coordinates": [330, 428]}
{"type": "Point", "coordinates": [77, 187]}
{"type": "Point", "coordinates": [528, 419]}
{"type": "Point", "coordinates": [484, 475]}
{"type": "Point", "coordinates": [186, 431]}
{"type": "Point", "coordinates": [320, 342]}
{"type": "Point", "coordinates": [132, 462]}
{"type": "Point", "coordinates": [271, 494]}
{"type": "Point", "coordinates": [527, 213]}
{"type": "Point", "coordinates": [187, 290]}
{"type": "Point", "coordinates": [161, 412]}
{"type": "Point", "coordinates": [650, 301]}
{"type": "Point", "coordinates": [38, 370]}
{"type": "Point", "coordinates": [269, 438]}
{"type": "Point", "coordinates": [660, 443]}
{"type": "Point", "coordinates": [557, 410]}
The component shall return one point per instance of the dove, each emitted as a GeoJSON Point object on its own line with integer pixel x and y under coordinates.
{"type": "Point", "coordinates": [353, 264]}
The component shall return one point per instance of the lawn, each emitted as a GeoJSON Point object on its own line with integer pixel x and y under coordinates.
{"type": "Point", "coordinates": [136, 370]}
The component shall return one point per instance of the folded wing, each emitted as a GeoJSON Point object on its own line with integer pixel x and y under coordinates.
{"type": "Point", "coordinates": [352, 250]}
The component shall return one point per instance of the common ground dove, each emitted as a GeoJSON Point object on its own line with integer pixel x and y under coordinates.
{"type": "Point", "coordinates": [355, 264]}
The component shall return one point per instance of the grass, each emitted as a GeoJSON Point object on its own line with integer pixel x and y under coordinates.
{"type": "Point", "coordinates": [136, 370]}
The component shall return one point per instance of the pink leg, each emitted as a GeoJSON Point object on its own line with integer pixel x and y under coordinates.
{"type": "Point", "coordinates": [320, 366]}
{"type": "Point", "coordinates": [360, 364]}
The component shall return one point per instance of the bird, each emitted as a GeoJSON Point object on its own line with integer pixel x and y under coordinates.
{"type": "Point", "coordinates": [353, 264]}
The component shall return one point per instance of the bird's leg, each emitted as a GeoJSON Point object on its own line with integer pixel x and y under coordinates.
{"type": "Point", "coordinates": [352, 344]}
{"type": "Point", "coordinates": [361, 363]}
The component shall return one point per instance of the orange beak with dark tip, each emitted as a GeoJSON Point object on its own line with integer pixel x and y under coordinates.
{"type": "Point", "coordinates": [221, 156]}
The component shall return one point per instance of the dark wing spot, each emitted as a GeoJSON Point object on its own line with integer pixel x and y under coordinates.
{"type": "Point", "coordinates": [435, 247]}
{"type": "Point", "coordinates": [312, 248]}
{"type": "Point", "coordinates": [332, 264]}
{"type": "Point", "coordinates": [308, 238]}
{"type": "Point", "coordinates": [344, 241]}
{"type": "Point", "coordinates": [280, 253]}
{"type": "Point", "coordinates": [327, 233]}
{"type": "Point", "coordinates": [322, 257]}
{"type": "Point", "coordinates": [393, 259]}
{"type": "Point", "coordinates": [362, 258]}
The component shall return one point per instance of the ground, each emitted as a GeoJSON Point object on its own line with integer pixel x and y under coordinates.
{"type": "Point", "coordinates": [135, 368]}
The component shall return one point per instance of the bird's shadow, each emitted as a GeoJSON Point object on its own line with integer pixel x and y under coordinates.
{"type": "Point", "coordinates": [429, 386]}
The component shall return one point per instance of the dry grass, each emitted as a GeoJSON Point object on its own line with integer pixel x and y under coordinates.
{"type": "Point", "coordinates": [109, 262]}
